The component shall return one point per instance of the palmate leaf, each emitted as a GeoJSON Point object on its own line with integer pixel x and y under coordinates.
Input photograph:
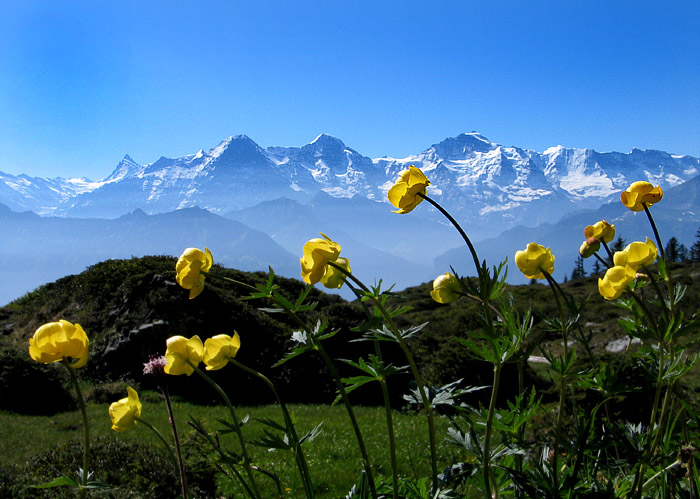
{"type": "Point", "coordinates": [272, 441]}
{"type": "Point", "coordinates": [271, 423]}
{"type": "Point", "coordinates": [231, 427]}
{"type": "Point", "coordinates": [312, 434]}
{"type": "Point", "coordinates": [443, 395]}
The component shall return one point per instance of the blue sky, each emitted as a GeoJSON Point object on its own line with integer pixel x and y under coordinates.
{"type": "Point", "coordinates": [84, 83]}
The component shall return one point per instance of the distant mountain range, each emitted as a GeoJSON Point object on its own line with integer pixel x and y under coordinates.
{"type": "Point", "coordinates": [492, 186]}
{"type": "Point", "coordinates": [256, 207]}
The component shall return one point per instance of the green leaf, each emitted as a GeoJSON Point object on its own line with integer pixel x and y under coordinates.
{"type": "Point", "coordinates": [64, 481]}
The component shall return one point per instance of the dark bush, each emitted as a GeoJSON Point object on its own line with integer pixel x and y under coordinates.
{"type": "Point", "coordinates": [132, 469]}
{"type": "Point", "coordinates": [20, 376]}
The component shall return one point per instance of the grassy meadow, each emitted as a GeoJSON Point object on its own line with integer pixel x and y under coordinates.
{"type": "Point", "coordinates": [333, 456]}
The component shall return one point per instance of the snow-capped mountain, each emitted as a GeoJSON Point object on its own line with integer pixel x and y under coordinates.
{"type": "Point", "coordinates": [490, 186]}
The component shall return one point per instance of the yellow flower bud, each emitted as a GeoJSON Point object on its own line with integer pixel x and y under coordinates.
{"type": "Point", "coordinates": [639, 194]}
{"type": "Point", "coordinates": [636, 254]}
{"type": "Point", "coordinates": [317, 253]}
{"type": "Point", "coordinates": [615, 281]}
{"type": "Point", "coordinates": [219, 349]}
{"type": "Point", "coordinates": [602, 231]}
{"type": "Point", "coordinates": [446, 288]}
{"type": "Point", "coordinates": [334, 278]}
{"type": "Point", "coordinates": [589, 247]}
{"type": "Point", "coordinates": [535, 260]}
{"type": "Point", "coordinates": [182, 354]}
{"type": "Point", "coordinates": [189, 269]}
{"type": "Point", "coordinates": [124, 412]}
{"type": "Point", "coordinates": [404, 193]}
{"type": "Point", "coordinates": [56, 341]}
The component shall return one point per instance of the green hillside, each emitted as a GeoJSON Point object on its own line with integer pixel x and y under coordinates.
{"type": "Point", "coordinates": [130, 307]}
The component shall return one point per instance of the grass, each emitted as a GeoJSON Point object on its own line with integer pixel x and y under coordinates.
{"type": "Point", "coordinates": [333, 457]}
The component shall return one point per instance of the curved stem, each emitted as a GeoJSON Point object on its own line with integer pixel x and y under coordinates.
{"type": "Point", "coordinates": [86, 429]}
{"type": "Point", "coordinates": [656, 232]}
{"type": "Point", "coordinates": [160, 436]}
{"type": "Point", "coordinates": [456, 225]}
{"type": "Point", "coordinates": [176, 439]}
{"type": "Point", "coordinates": [237, 428]}
{"type": "Point", "coordinates": [298, 451]}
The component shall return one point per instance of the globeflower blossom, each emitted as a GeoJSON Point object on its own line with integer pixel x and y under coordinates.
{"type": "Point", "coordinates": [639, 194]}
{"type": "Point", "coordinates": [404, 194]}
{"type": "Point", "coordinates": [334, 278]}
{"type": "Point", "coordinates": [183, 355]}
{"type": "Point", "coordinates": [190, 266]}
{"type": "Point", "coordinates": [219, 349]}
{"type": "Point", "coordinates": [57, 341]}
{"type": "Point", "coordinates": [126, 411]}
{"type": "Point", "coordinates": [601, 231]}
{"type": "Point", "coordinates": [446, 288]}
{"type": "Point", "coordinates": [317, 253]}
{"type": "Point", "coordinates": [534, 260]}
{"type": "Point", "coordinates": [637, 254]}
{"type": "Point", "coordinates": [615, 281]}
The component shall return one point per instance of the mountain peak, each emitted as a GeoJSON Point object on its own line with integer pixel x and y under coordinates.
{"type": "Point", "coordinates": [325, 138]}
{"type": "Point", "coordinates": [460, 146]}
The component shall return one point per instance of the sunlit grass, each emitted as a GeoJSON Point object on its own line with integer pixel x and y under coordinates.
{"type": "Point", "coordinates": [333, 457]}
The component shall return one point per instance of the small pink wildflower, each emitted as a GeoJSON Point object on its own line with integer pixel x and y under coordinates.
{"type": "Point", "coordinates": [155, 365]}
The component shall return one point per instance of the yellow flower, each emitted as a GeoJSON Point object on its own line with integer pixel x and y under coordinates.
{"type": "Point", "coordinates": [445, 288]}
{"type": "Point", "coordinates": [535, 260]}
{"type": "Point", "coordinates": [587, 249]}
{"type": "Point", "coordinates": [317, 253]}
{"type": "Point", "coordinates": [189, 269]}
{"type": "Point", "coordinates": [639, 194]}
{"type": "Point", "coordinates": [56, 341]}
{"type": "Point", "coordinates": [404, 193]}
{"type": "Point", "coordinates": [615, 281]}
{"type": "Point", "coordinates": [636, 254]}
{"type": "Point", "coordinates": [182, 354]}
{"type": "Point", "coordinates": [124, 412]}
{"type": "Point", "coordinates": [602, 231]}
{"type": "Point", "coordinates": [219, 349]}
{"type": "Point", "coordinates": [334, 278]}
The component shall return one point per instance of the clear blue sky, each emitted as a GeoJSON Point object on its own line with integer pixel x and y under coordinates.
{"type": "Point", "coordinates": [82, 83]}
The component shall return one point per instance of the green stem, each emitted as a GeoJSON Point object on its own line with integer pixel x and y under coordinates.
{"type": "Point", "coordinates": [237, 428]}
{"type": "Point", "coordinates": [351, 414]}
{"type": "Point", "coordinates": [298, 451]}
{"type": "Point", "coordinates": [170, 452]}
{"type": "Point", "coordinates": [392, 439]}
{"type": "Point", "coordinates": [86, 429]}
{"type": "Point", "coordinates": [414, 370]}
{"type": "Point", "coordinates": [610, 254]}
{"type": "Point", "coordinates": [387, 401]}
{"type": "Point", "coordinates": [565, 360]}
{"type": "Point", "coordinates": [602, 260]}
{"type": "Point", "coordinates": [176, 439]}
{"type": "Point", "coordinates": [489, 428]}
{"type": "Point", "coordinates": [656, 232]}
